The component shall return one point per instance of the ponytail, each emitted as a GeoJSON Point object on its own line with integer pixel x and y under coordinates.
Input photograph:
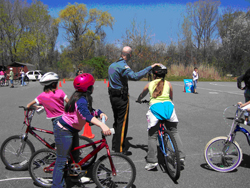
{"type": "Point", "coordinates": [158, 89]}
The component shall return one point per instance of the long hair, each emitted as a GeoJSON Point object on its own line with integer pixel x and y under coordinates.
{"type": "Point", "coordinates": [51, 87]}
{"type": "Point", "coordinates": [70, 106]}
{"type": "Point", "coordinates": [159, 86]}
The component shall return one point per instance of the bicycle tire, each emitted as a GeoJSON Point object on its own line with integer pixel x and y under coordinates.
{"type": "Point", "coordinates": [172, 158]}
{"type": "Point", "coordinates": [102, 172]}
{"type": "Point", "coordinates": [7, 82]}
{"type": "Point", "coordinates": [85, 151]}
{"type": "Point", "coordinates": [15, 81]}
{"type": "Point", "coordinates": [9, 150]}
{"type": "Point", "coordinates": [40, 159]}
{"type": "Point", "coordinates": [222, 162]}
{"type": "Point", "coordinates": [26, 80]}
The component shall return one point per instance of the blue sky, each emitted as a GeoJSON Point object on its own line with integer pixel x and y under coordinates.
{"type": "Point", "coordinates": [163, 17]}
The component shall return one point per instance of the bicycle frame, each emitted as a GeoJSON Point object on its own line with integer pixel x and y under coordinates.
{"type": "Point", "coordinates": [237, 128]}
{"type": "Point", "coordinates": [160, 138]}
{"type": "Point", "coordinates": [102, 142]}
{"type": "Point", "coordinates": [27, 121]}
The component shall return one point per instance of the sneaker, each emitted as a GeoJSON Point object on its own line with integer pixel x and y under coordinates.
{"type": "Point", "coordinates": [150, 166]}
{"type": "Point", "coordinates": [182, 160]}
{"type": "Point", "coordinates": [84, 179]}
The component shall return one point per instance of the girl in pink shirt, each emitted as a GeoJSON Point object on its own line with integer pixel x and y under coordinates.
{"type": "Point", "coordinates": [77, 112]}
{"type": "Point", "coordinates": [51, 99]}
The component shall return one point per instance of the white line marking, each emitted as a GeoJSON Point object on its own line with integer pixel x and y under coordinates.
{"type": "Point", "coordinates": [21, 178]}
{"type": "Point", "coordinates": [220, 85]}
{"type": "Point", "coordinates": [215, 90]}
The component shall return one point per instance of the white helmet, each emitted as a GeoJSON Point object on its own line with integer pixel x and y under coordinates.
{"type": "Point", "coordinates": [49, 78]}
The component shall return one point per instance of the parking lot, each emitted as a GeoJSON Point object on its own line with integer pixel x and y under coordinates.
{"type": "Point", "coordinates": [200, 119]}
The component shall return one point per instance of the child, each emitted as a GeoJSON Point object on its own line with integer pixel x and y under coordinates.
{"type": "Point", "coordinates": [76, 114]}
{"type": "Point", "coordinates": [11, 77]}
{"type": "Point", "coordinates": [2, 77]}
{"type": "Point", "coordinates": [195, 79]}
{"type": "Point", "coordinates": [22, 73]}
{"type": "Point", "coordinates": [245, 106]}
{"type": "Point", "coordinates": [161, 96]}
{"type": "Point", "coordinates": [52, 99]}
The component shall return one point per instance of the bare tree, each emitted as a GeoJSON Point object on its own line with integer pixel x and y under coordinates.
{"type": "Point", "coordinates": [204, 17]}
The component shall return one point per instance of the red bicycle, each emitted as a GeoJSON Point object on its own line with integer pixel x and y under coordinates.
{"type": "Point", "coordinates": [111, 170]}
{"type": "Point", "coordinates": [17, 150]}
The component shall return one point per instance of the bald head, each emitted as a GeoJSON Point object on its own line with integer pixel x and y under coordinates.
{"type": "Point", "coordinates": [126, 53]}
{"type": "Point", "coordinates": [127, 49]}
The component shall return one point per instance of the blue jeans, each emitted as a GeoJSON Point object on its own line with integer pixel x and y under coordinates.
{"type": "Point", "coordinates": [65, 141]}
{"type": "Point", "coordinates": [195, 84]}
{"type": "Point", "coordinates": [23, 83]}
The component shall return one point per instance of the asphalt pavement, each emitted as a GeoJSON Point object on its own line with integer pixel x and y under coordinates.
{"type": "Point", "coordinates": [201, 118]}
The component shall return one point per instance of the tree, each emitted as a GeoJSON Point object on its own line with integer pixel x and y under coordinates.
{"type": "Point", "coordinates": [12, 26]}
{"type": "Point", "coordinates": [139, 40]}
{"type": "Point", "coordinates": [40, 33]}
{"type": "Point", "coordinates": [83, 29]}
{"type": "Point", "coordinates": [234, 30]}
{"type": "Point", "coordinates": [203, 15]}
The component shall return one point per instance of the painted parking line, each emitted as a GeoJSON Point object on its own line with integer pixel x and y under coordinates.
{"type": "Point", "coordinates": [215, 90]}
{"type": "Point", "coordinates": [217, 84]}
{"type": "Point", "coordinates": [21, 178]}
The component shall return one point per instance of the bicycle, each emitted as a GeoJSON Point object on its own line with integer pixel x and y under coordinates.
{"type": "Point", "coordinates": [169, 149]}
{"type": "Point", "coordinates": [18, 80]}
{"type": "Point", "coordinates": [111, 170]}
{"type": "Point", "coordinates": [223, 154]}
{"type": "Point", "coordinates": [4, 82]}
{"type": "Point", "coordinates": [17, 150]}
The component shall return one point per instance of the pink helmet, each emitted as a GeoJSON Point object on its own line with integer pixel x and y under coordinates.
{"type": "Point", "coordinates": [83, 81]}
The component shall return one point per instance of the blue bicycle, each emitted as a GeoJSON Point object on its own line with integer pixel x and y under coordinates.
{"type": "Point", "coordinates": [223, 154]}
{"type": "Point", "coordinates": [169, 150]}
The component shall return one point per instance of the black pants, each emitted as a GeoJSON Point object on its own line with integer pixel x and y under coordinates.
{"type": "Point", "coordinates": [120, 107]}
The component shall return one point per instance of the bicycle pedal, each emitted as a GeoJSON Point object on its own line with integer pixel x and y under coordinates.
{"type": "Point", "coordinates": [240, 120]}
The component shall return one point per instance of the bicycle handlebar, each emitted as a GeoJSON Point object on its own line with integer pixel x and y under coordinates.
{"type": "Point", "coordinates": [144, 101]}
{"type": "Point", "coordinates": [111, 129]}
{"type": "Point", "coordinates": [30, 108]}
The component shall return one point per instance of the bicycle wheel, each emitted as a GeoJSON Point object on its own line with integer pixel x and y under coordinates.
{"type": "Point", "coordinates": [16, 81]}
{"type": "Point", "coordinates": [125, 171]}
{"type": "Point", "coordinates": [26, 80]}
{"type": "Point", "coordinates": [37, 164]}
{"type": "Point", "coordinates": [15, 153]}
{"type": "Point", "coordinates": [85, 151]}
{"type": "Point", "coordinates": [7, 82]}
{"type": "Point", "coordinates": [172, 158]}
{"type": "Point", "coordinates": [222, 155]}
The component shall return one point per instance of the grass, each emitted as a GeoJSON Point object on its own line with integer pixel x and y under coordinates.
{"type": "Point", "coordinates": [179, 73]}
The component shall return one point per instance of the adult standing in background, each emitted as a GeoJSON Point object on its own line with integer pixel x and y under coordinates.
{"type": "Point", "coordinates": [195, 79]}
{"type": "Point", "coordinates": [246, 79]}
{"type": "Point", "coordinates": [119, 74]}
{"type": "Point", "coordinates": [77, 72]}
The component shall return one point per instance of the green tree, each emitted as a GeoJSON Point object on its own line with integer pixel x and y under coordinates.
{"type": "Point", "coordinates": [98, 66]}
{"type": "Point", "coordinates": [83, 29]}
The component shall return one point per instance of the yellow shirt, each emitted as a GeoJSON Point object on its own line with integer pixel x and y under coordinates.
{"type": "Point", "coordinates": [165, 93]}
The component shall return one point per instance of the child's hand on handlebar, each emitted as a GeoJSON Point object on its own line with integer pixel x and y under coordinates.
{"type": "Point", "coordinates": [139, 101]}
{"type": "Point", "coordinates": [106, 130]}
{"type": "Point", "coordinates": [102, 114]}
